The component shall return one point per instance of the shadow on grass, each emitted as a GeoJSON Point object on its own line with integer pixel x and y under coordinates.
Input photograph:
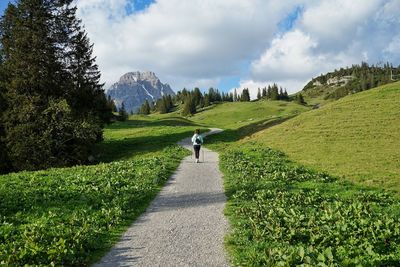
{"type": "Point", "coordinates": [112, 150]}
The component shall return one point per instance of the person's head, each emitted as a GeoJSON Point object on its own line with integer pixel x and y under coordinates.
{"type": "Point", "coordinates": [197, 131]}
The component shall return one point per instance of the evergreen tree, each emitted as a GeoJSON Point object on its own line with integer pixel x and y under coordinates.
{"type": "Point", "coordinates": [269, 92]}
{"type": "Point", "coordinates": [281, 95]}
{"type": "Point", "coordinates": [245, 95]}
{"type": "Point", "coordinates": [212, 95]}
{"type": "Point", "coordinates": [235, 96]}
{"type": "Point", "coordinates": [145, 108]}
{"type": "Point", "coordinates": [286, 96]}
{"type": "Point", "coordinates": [218, 97]}
{"type": "Point", "coordinates": [202, 103]}
{"type": "Point", "coordinates": [47, 60]}
{"type": "Point", "coordinates": [206, 100]}
{"type": "Point", "coordinates": [259, 94]}
{"type": "Point", "coordinates": [197, 96]}
{"type": "Point", "coordinates": [170, 103]}
{"type": "Point", "coordinates": [162, 105]}
{"type": "Point", "coordinates": [4, 163]}
{"type": "Point", "coordinates": [300, 99]}
{"type": "Point", "coordinates": [111, 104]}
{"type": "Point", "coordinates": [230, 97]}
{"type": "Point", "coordinates": [189, 106]}
{"type": "Point", "coordinates": [123, 115]}
{"type": "Point", "coordinates": [264, 92]}
{"type": "Point", "coordinates": [274, 95]}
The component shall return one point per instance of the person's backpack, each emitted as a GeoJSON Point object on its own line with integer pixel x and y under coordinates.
{"type": "Point", "coordinates": [197, 141]}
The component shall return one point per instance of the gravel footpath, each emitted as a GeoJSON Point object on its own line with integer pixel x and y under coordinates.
{"type": "Point", "coordinates": [184, 225]}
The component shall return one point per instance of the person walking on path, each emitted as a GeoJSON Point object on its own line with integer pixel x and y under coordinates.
{"type": "Point", "coordinates": [197, 141]}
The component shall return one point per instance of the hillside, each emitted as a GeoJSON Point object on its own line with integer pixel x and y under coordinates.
{"type": "Point", "coordinates": [357, 137]}
{"type": "Point", "coordinates": [233, 115]}
{"type": "Point", "coordinates": [340, 83]}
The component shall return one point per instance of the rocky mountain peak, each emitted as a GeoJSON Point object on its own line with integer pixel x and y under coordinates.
{"type": "Point", "coordinates": [134, 88]}
{"type": "Point", "coordinates": [138, 76]}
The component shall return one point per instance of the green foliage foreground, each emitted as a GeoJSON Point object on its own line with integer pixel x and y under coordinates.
{"type": "Point", "coordinates": [284, 214]}
{"type": "Point", "coordinates": [66, 216]}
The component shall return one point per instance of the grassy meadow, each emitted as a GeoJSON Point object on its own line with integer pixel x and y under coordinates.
{"type": "Point", "coordinates": [281, 212]}
{"type": "Point", "coordinates": [357, 137]}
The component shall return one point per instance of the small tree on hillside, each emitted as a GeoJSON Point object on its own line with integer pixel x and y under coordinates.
{"type": "Point", "coordinates": [245, 95]}
{"type": "Point", "coordinates": [123, 115]}
{"type": "Point", "coordinates": [258, 94]}
{"type": "Point", "coordinates": [235, 96]}
{"type": "Point", "coordinates": [145, 108]}
{"type": "Point", "coordinates": [264, 92]}
{"type": "Point", "coordinates": [162, 105]}
{"type": "Point", "coordinates": [189, 106]}
{"type": "Point", "coordinates": [206, 100]}
{"type": "Point", "coordinates": [300, 99]}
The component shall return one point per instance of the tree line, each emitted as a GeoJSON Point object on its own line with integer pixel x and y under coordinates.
{"type": "Point", "coordinates": [52, 104]}
{"type": "Point", "coordinates": [191, 101]}
{"type": "Point", "coordinates": [362, 77]}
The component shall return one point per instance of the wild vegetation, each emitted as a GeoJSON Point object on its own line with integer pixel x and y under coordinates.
{"type": "Point", "coordinates": [283, 214]}
{"type": "Point", "coordinates": [65, 217]}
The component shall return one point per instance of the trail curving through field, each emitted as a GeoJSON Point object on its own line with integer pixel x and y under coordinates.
{"type": "Point", "coordinates": [184, 225]}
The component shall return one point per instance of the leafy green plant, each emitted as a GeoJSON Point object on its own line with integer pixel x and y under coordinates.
{"type": "Point", "coordinates": [61, 216]}
{"type": "Point", "coordinates": [284, 214]}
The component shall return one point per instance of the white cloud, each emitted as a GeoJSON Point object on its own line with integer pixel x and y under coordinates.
{"type": "Point", "coordinates": [199, 42]}
{"type": "Point", "coordinates": [335, 23]}
{"type": "Point", "coordinates": [289, 56]}
{"type": "Point", "coordinates": [328, 35]}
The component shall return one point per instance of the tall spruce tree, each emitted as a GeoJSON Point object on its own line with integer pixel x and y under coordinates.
{"type": "Point", "coordinates": [264, 92]}
{"type": "Point", "coordinates": [49, 120]}
{"type": "Point", "coordinates": [162, 105]}
{"type": "Point", "coordinates": [145, 108]}
{"type": "Point", "coordinates": [259, 94]}
{"type": "Point", "coordinates": [123, 115]}
{"type": "Point", "coordinates": [4, 163]}
{"type": "Point", "coordinates": [245, 95]}
{"type": "Point", "coordinates": [189, 105]}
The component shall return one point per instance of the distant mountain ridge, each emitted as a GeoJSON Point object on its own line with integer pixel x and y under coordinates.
{"type": "Point", "coordinates": [134, 88]}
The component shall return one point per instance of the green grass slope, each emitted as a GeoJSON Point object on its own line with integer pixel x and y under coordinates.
{"type": "Point", "coordinates": [239, 114]}
{"type": "Point", "coordinates": [357, 137]}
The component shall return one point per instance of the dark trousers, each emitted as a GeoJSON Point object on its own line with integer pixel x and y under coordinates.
{"type": "Point", "coordinates": [197, 151]}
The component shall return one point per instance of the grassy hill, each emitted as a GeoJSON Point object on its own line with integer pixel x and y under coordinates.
{"type": "Point", "coordinates": [357, 136]}
{"type": "Point", "coordinates": [340, 83]}
{"type": "Point", "coordinates": [239, 114]}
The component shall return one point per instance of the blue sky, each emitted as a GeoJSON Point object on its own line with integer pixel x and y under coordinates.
{"type": "Point", "coordinates": [138, 5]}
{"type": "Point", "coordinates": [3, 6]}
{"type": "Point", "coordinates": [236, 44]}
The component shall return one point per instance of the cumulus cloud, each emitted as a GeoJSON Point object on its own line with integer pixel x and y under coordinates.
{"type": "Point", "coordinates": [198, 40]}
{"type": "Point", "coordinates": [330, 34]}
{"type": "Point", "coordinates": [201, 42]}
